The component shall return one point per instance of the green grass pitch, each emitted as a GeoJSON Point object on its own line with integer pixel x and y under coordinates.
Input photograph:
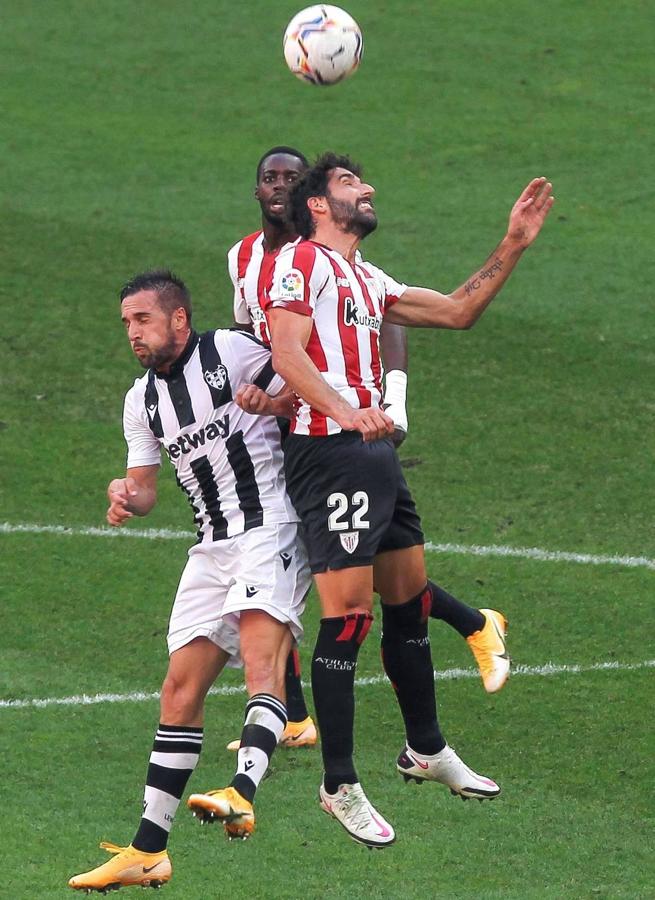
{"type": "Point", "coordinates": [130, 132]}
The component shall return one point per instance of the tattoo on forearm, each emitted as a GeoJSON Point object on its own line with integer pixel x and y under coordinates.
{"type": "Point", "coordinates": [489, 271]}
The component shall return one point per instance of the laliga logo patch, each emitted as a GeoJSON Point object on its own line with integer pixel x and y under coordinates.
{"type": "Point", "coordinates": [349, 540]}
{"type": "Point", "coordinates": [217, 378]}
{"type": "Point", "coordinates": [292, 284]}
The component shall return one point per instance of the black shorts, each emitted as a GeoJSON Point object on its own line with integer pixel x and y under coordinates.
{"type": "Point", "coordinates": [352, 499]}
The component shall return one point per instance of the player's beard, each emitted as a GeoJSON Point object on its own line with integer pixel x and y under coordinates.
{"type": "Point", "coordinates": [160, 357]}
{"type": "Point", "coordinates": [279, 221]}
{"type": "Point", "coordinates": [352, 218]}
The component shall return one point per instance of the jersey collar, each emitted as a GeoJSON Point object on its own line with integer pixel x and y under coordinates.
{"type": "Point", "coordinates": [182, 360]}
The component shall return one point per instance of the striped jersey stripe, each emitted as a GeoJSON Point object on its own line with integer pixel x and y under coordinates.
{"type": "Point", "coordinates": [347, 302]}
{"type": "Point", "coordinates": [251, 269]}
{"type": "Point", "coordinates": [226, 461]}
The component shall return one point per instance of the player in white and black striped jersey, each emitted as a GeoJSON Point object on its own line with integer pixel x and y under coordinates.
{"type": "Point", "coordinates": [243, 588]}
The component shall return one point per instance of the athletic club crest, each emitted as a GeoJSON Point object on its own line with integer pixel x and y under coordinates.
{"type": "Point", "coordinates": [349, 540]}
{"type": "Point", "coordinates": [217, 378]}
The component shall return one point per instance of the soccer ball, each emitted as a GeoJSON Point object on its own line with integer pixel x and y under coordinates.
{"type": "Point", "coordinates": [323, 45]}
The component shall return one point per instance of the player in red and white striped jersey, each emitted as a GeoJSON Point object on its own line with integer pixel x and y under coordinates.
{"type": "Point", "coordinates": [251, 262]}
{"type": "Point", "coordinates": [346, 302]}
{"type": "Point", "coordinates": [325, 310]}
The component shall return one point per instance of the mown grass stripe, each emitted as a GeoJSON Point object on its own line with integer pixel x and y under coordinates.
{"type": "Point", "coordinates": [536, 553]}
{"type": "Point", "coordinates": [547, 669]}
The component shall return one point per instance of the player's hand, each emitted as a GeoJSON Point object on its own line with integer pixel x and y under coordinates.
{"type": "Point", "coordinates": [120, 492]}
{"type": "Point", "coordinates": [371, 423]}
{"type": "Point", "coordinates": [529, 212]}
{"type": "Point", "coordinates": [254, 400]}
{"type": "Point", "coordinates": [257, 402]}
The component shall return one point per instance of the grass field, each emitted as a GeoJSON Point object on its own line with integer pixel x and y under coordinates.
{"type": "Point", "coordinates": [130, 134]}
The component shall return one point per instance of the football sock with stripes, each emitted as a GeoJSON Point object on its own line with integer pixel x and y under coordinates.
{"type": "Point", "coordinates": [464, 619]}
{"type": "Point", "coordinates": [333, 685]}
{"type": "Point", "coordinates": [296, 706]}
{"type": "Point", "coordinates": [408, 663]}
{"type": "Point", "coordinates": [266, 719]}
{"type": "Point", "coordinates": [174, 756]}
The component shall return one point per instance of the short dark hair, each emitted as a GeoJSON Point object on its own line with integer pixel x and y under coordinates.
{"type": "Point", "coordinates": [171, 291]}
{"type": "Point", "coordinates": [289, 151]}
{"type": "Point", "coordinates": [314, 184]}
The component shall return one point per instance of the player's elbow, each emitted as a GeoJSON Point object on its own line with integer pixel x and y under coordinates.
{"type": "Point", "coordinates": [455, 318]}
{"type": "Point", "coordinates": [283, 361]}
{"type": "Point", "coordinates": [467, 322]}
{"type": "Point", "coordinates": [462, 318]}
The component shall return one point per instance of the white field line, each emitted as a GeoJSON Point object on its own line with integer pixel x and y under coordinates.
{"type": "Point", "coordinates": [535, 553]}
{"type": "Point", "coordinates": [228, 690]}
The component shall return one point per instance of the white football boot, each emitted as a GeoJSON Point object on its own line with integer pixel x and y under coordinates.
{"type": "Point", "coordinates": [447, 768]}
{"type": "Point", "coordinates": [350, 807]}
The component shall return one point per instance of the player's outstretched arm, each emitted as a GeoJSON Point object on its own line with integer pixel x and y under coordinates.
{"type": "Point", "coordinates": [134, 495]}
{"type": "Point", "coordinates": [290, 333]}
{"type": "Point", "coordinates": [462, 308]}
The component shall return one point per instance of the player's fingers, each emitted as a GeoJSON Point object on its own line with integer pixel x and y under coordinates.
{"type": "Point", "coordinates": [250, 399]}
{"type": "Point", "coordinates": [241, 397]}
{"type": "Point", "coordinates": [547, 204]}
{"type": "Point", "coordinates": [118, 508]}
{"type": "Point", "coordinates": [386, 423]}
{"type": "Point", "coordinates": [543, 194]}
{"type": "Point", "coordinates": [381, 425]}
{"type": "Point", "coordinates": [366, 428]}
{"type": "Point", "coordinates": [531, 189]}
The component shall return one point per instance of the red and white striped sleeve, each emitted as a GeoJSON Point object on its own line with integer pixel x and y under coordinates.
{"type": "Point", "coordinates": [298, 278]}
{"type": "Point", "coordinates": [390, 290]}
{"type": "Point", "coordinates": [240, 307]}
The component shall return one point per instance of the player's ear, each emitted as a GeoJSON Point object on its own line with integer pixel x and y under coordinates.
{"type": "Point", "coordinates": [179, 318]}
{"type": "Point", "coordinates": [317, 204]}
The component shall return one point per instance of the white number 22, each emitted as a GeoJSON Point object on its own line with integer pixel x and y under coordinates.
{"type": "Point", "coordinates": [339, 503]}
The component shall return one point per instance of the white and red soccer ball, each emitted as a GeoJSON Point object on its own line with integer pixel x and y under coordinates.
{"type": "Point", "coordinates": [323, 45]}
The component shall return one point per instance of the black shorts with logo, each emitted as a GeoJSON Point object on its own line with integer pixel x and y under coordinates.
{"type": "Point", "coordinates": [352, 499]}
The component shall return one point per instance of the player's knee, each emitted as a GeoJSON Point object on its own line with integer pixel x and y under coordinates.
{"type": "Point", "coordinates": [358, 606]}
{"type": "Point", "coordinates": [180, 698]}
{"type": "Point", "coordinates": [348, 606]}
{"type": "Point", "coordinates": [264, 672]}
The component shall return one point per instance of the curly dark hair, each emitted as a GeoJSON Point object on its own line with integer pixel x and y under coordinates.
{"type": "Point", "coordinates": [314, 184]}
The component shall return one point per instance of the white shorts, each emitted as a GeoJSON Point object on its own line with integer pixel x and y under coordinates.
{"type": "Point", "coordinates": [264, 568]}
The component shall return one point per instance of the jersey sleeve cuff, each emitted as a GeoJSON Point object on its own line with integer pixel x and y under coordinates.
{"type": "Point", "coordinates": [296, 306]}
{"type": "Point", "coordinates": [394, 298]}
{"type": "Point", "coordinates": [134, 460]}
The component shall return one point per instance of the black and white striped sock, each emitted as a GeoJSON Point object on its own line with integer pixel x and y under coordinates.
{"type": "Point", "coordinates": [266, 719]}
{"type": "Point", "coordinates": [174, 756]}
